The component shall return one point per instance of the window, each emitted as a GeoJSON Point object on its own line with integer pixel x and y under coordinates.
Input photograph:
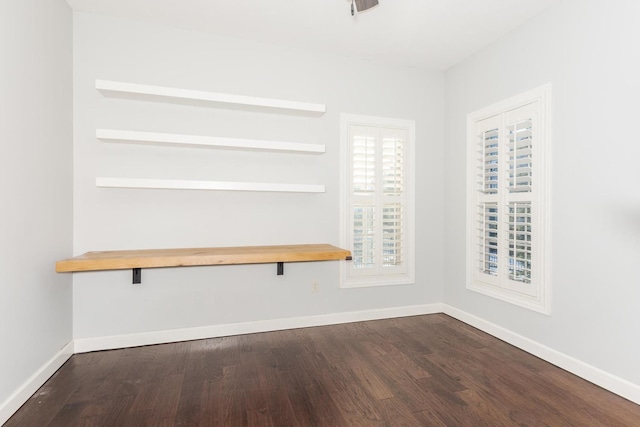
{"type": "Point", "coordinates": [377, 201]}
{"type": "Point", "coordinates": [508, 228]}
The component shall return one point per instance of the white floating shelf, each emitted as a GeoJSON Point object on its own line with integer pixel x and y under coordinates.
{"type": "Point", "coordinates": [172, 184]}
{"type": "Point", "coordinates": [197, 95]}
{"type": "Point", "coordinates": [206, 141]}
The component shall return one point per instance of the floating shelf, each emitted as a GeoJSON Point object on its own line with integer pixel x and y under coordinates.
{"type": "Point", "coordinates": [197, 95]}
{"type": "Point", "coordinates": [171, 184]}
{"type": "Point", "coordinates": [157, 258]}
{"type": "Point", "coordinates": [206, 141]}
{"type": "Point", "coordinates": [184, 257]}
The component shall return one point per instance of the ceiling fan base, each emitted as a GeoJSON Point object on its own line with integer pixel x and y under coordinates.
{"type": "Point", "coordinates": [362, 5]}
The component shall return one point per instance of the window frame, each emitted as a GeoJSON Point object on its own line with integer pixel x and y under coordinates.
{"type": "Point", "coordinates": [538, 296]}
{"type": "Point", "coordinates": [347, 279]}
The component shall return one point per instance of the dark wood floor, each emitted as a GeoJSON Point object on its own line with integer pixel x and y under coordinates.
{"type": "Point", "coordinates": [415, 371]}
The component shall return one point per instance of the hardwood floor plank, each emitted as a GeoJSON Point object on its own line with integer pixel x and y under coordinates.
{"type": "Point", "coordinates": [394, 412]}
{"type": "Point", "coordinates": [486, 407]}
{"type": "Point", "coordinates": [312, 398]}
{"type": "Point", "coordinates": [280, 409]}
{"type": "Point", "coordinates": [193, 385]}
{"type": "Point", "coordinates": [414, 371]}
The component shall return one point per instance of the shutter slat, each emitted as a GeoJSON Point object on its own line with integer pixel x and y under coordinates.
{"type": "Point", "coordinates": [364, 165]}
{"type": "Point", "coordinates": [364, 231]}
{"type": "Point", "coordinates": [488, 237]}
{"type": "Point", "coordinates": [392, 170]}
{"type": "Point", "coordinates": [519, 241]}
{"type": "Point", "coordinates": [520, 151]}
{"type": "Point", "coordinates": [392, 234]}
{"type": "Point", "coordinates": [488, 152]}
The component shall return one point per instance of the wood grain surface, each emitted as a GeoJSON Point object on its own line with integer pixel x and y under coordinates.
{"type": "Point", "coordinates": [414, 371]}
{"type": "Point", "coordinates": [155, 258]}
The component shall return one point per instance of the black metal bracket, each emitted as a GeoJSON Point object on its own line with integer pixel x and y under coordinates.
{"type": "Point", "coordinates": [137, 276]}
{"type": "Point", "coordinates": [280, 268]}
{"type": "Point", "coordinates": [349, 258]}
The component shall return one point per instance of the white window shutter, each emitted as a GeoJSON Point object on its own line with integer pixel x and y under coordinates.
{"type": "Point", "coordinates": [378, 201]}
{"type": "Point", "coordinates": [508, 213]}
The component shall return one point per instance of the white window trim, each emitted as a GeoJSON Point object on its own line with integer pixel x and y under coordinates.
{"type": "Point", "coordinates": [541, 301]}
{"type": "Point", "coordinates": [346, 120]}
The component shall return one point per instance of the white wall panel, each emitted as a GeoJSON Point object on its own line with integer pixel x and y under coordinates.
{"type": "Point", "coordinates": [109, 218]}
{"type": "Point", "coordinates": [35, 193]}
{"type": "Point", "coordinates": [587, 50]}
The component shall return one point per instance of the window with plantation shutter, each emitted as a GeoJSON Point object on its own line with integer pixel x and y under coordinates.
{"type": "Point", "coordinates": [377, 200]}
{"type": "Point", "coordinates": [508, 200]}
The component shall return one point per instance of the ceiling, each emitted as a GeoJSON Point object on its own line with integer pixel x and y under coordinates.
{"type": "Point", "coordinates": [429, 34]}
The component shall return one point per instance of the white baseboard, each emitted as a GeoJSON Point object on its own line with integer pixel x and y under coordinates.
{"type": "Point", "coordinates": [83, 345]}
{"type": "Point", "coordinates": [26, 390]}
{"type": "Point", "coordinates": [608, 381]}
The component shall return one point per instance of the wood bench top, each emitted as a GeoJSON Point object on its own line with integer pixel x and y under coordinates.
{"type": "Point", "coordinates": [183, 257]}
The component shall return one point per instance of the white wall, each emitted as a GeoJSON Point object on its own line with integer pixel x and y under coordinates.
{"type": "Point", "coordinates": [35, 186]}
{"type": "Point", "coordinates": [588, 50]}
{"type": "Point", "coordinates": [106, 303]}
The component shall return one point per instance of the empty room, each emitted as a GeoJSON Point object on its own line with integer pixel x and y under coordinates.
{"type": "Point", "coordinates": [319, 213]}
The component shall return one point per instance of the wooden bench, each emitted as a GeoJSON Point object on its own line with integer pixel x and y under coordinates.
{"type": "Point", "coordinates": [160, 258]}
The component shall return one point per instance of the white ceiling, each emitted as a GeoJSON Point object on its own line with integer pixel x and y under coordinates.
{"type": "Point", "coordinates": [431, 34]}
